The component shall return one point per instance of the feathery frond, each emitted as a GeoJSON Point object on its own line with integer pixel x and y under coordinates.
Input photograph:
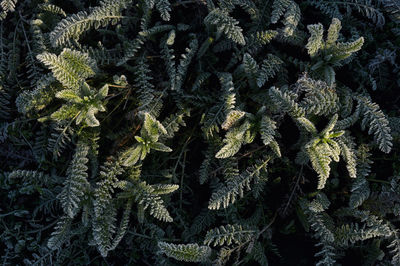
{"type": "Point", "coordinates": [109, 12]}
{"type": "Point", "coordinates": [226, 24]}
{"type": "Point", "coordinates": [76, 183]}
{"type": "Point", "coordinates": [185, 252]}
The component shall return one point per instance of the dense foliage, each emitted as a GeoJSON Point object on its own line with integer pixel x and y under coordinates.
{"type": "Point", "coordinates": [214, 132]}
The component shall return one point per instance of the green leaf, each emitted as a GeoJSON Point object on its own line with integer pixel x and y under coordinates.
{"type": "Point", "coordinates": [69, 95]}
{"type": "Point", "coordinates": [226, 24]}
{"type": "Point", "coordinates": [103, 92]}
{"type": "Point", "coordinates": [131, 156]}
{"type": "Point", "coordinates": [335, 134]}
{"type": "Point", "coordinates": [226, 235]}
{"type": "Point", "coordinates": [65, 112]}
{"type": "Point", "coordinates": [70, 28]}
{"type": "Point", "coordinates": [327, 130]}
{"type": "Point", "coordinates": [234, 139]}
{"type": "Point", "coordinates": [185, 252]}
{"type": "Point", "coordinates": [140, 139]}
{"type": "Point", "coordinates": [90, 119]}
{"type": "Point", "coordinates": [320, 160]}
{"type": "Point", "coordinates": [230, 149]}
{"type": "Point", "coordinates": [60, 234]}
{"type": "Point", "coordinates": [70, 68]}
{"type": "Point", "coordinates": [158, 146]}
{"type": "Point", "coordinates": [161, 189]}
{"type": "Point", "coordinates": [76, 184]}
{"type": "Point", "coordinates": [307, 125]}
{"type": "Point", "coordinates": [267, 129]}
{"type": "Point", "coordinates": [152, 128]}
{"type": "Point", "coordinates": [333, 32]}
{"type": "Point", "coordinates": [315, 41]}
